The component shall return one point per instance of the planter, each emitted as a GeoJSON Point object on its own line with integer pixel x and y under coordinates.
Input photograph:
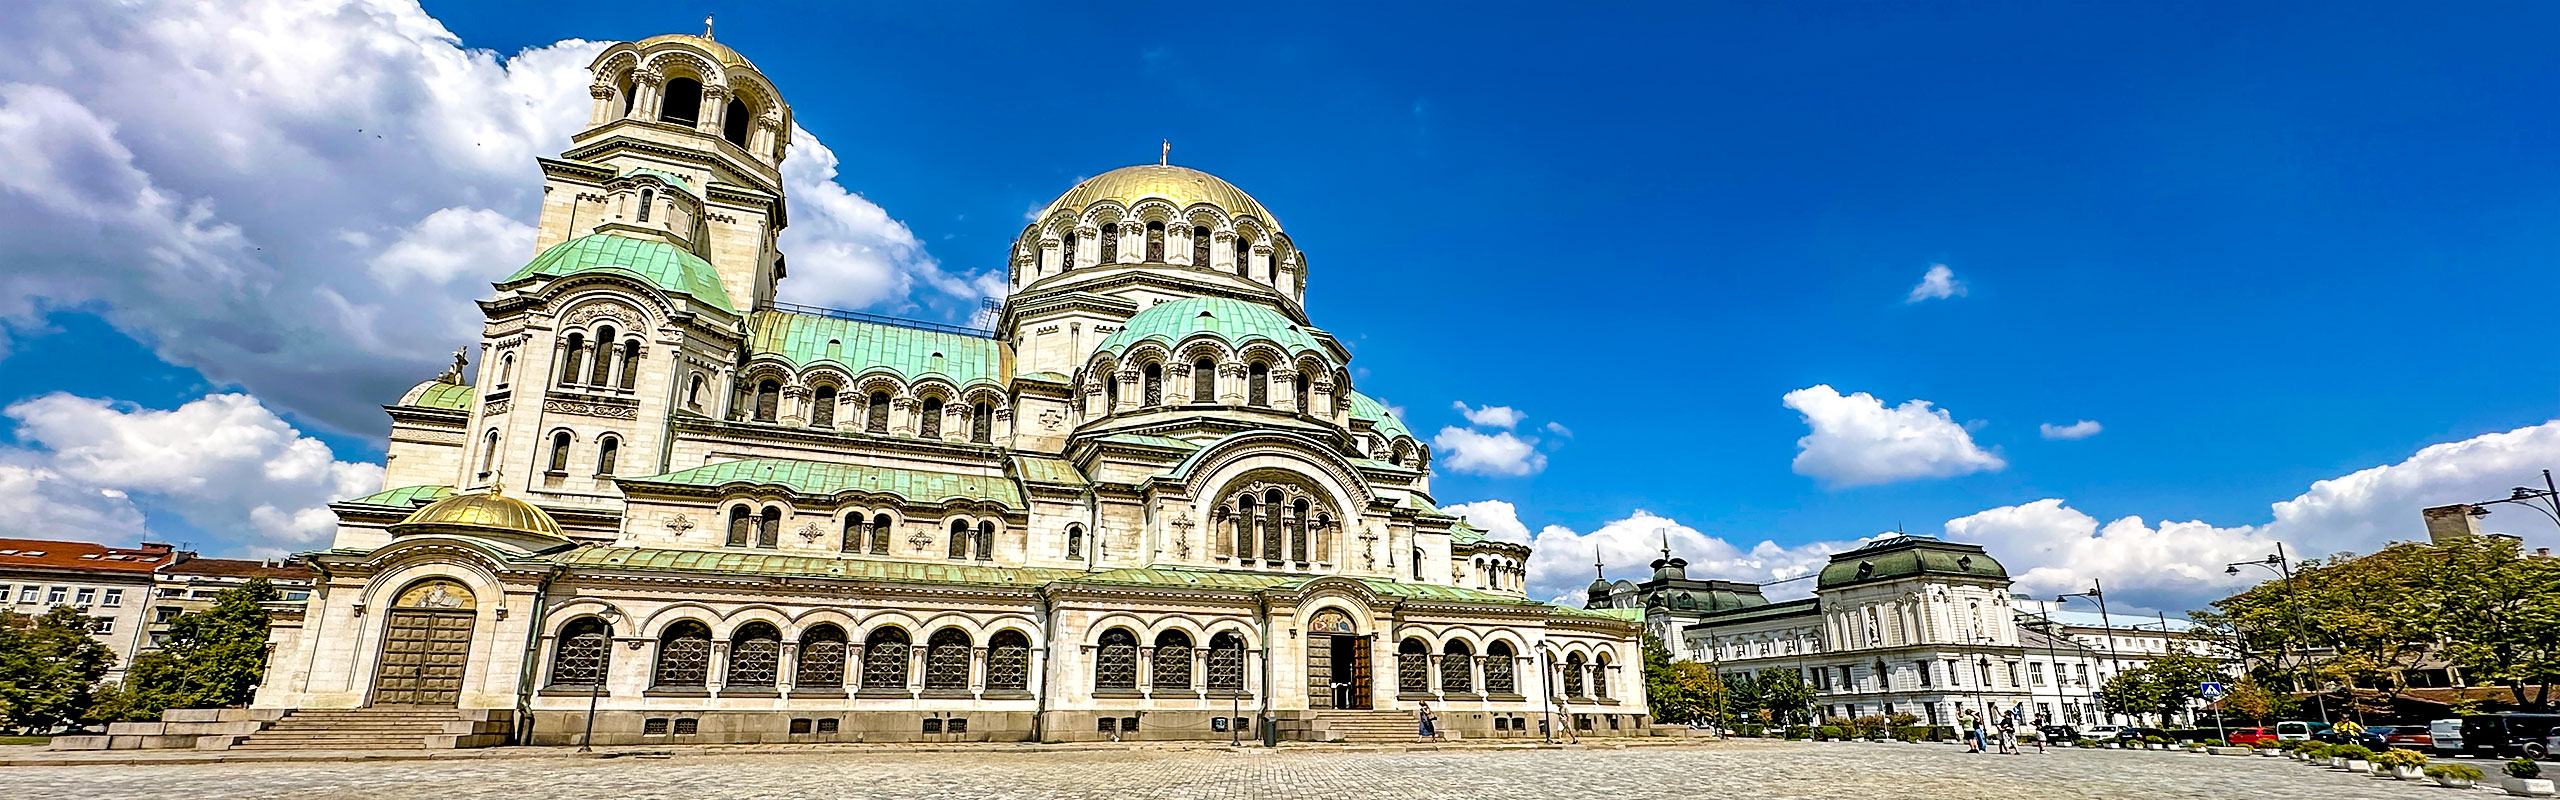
{"type": "Point", "coordinates": [2269, 752]}
{"type": "Point", "coordinates": [2112, 745]}
{"type": "Point", "coordinates": [2376, 769]}
{"type": "Point", "coordinates": [2408, 773]}
{"type": "Point", "coordinates": [2359, 765]}
{"type": "Point", "coordinates": [2229, 751]}
{"type": "Point", "coordinates": [2453, 783]}
{"type": "Point", "coordinates": [2527, 787]}
{"type": "Point", "coordinates": [2337, 762]}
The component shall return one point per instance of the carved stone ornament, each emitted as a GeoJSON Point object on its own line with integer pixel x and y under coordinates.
{"type": "Point", "coordinates": [920, 540]}
{"type": "Point", "coordinates": [810, 532]}
{"type": "Point", "coordinates": [495, 407]}
{"type": "Point", "coordinates": [621, 315]}
{"type": "Point", "coordinates": [1050, 419]}
{"type": "Point", "coordinates": [1182, 537]}
{"type": "Point", "coordinates": [585, 409]}
{"type": "Point", "coordinates": [679, 524]}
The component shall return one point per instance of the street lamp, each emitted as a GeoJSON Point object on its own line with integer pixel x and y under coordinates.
{"type": "Point", "coordinates": [2278, 563]}
{"type": "Point", "coordinates": [2115, 663]}
{"type": "Point", "coordinates": [2549, 495]}
{"type": "Point", "coordinates": [595, 689]}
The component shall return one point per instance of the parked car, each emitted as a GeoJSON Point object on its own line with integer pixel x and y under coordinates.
{"type": "Point", "coordinates": [2139, 734]}
{"type": "Point", "coordinates": [2508, 735]}
{"type": "Point", "coordinates": [2060, 733]}
{"type": "Point", "coordinates": [2447, 734]}
{"type": "Point", "coordinates": [2408, 737]}
{"type": "Point", "coordinates": [2251, 736]}
{"type": "Point", "coordinates": [2299, 731]}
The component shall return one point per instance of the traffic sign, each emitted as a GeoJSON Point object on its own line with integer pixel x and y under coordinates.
{"type": "Point", "coordinates": [2212, 690]}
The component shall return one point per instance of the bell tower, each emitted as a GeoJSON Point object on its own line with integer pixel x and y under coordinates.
{"type": "Point", "coordinates": [684, 144]}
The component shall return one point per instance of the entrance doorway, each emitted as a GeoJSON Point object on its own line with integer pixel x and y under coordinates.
{"type": "Point", "coordinates": [1337, 663]}
{"type": "Point", "coordinates": [426, 646]}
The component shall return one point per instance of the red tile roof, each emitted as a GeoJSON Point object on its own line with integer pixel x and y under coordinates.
{"type": "Point", "coordinates": [239, 568]}
{"type": "Point", "coordinates": [82, 557]}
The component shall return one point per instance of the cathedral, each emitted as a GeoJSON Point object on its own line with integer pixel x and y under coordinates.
{"type": "Point", "coordinates": [1147, 504]}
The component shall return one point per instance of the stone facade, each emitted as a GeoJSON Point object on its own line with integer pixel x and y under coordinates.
{"type": "Point", "coordinates": [1148, 504]}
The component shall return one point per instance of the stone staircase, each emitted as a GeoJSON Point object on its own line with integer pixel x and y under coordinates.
{"type": "Point", "coordinates": [1358, 727]}
{"type": "Point", "coordinates": [379, 729]}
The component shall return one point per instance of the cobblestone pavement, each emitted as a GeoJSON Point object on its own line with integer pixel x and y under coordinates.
{"type": "Point", "coordinates": [1753, 769]}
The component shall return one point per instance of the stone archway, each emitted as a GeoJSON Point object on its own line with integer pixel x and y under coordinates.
{"type": "Point", "coordinates": [1338, 669]}
{"type": "Point", "coordinates": [426, 645]}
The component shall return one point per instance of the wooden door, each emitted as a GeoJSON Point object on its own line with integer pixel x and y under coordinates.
{"type": "Point", "coordinates": [1320, 679]}
{"type": "Point", "coordinates": [1360, 690]}
{"type": "Point", "coordinates": [424, 654]}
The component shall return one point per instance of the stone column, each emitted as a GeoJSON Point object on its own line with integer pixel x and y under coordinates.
{"type": "Point", "coordinates": [715, 108]}
{"type": "Point", "coordinates": [1177, 244]}
{"type": "Point", "coordinates": [1222, 250]}
{"type": "Point", "coordinates": [651, 87]}
{"type": "Point", "coordinates": [1231, 386]}
{"type": "Point", "coordinates": [602, 111]}
{"type": "Point", "coordinates": [1130, 392]}
{"type": "Point", "coordinates": [718, 675]}
{"type": "Point", "coordinates": [1088, 248]}
{"type": "Point", "coordinates": [796, 404]}
{"type": "Point", "coordinates": [1284, 390]}
{"type": "Point", "coordinates": [903, 418]}
{"type": "Point", "coordinates": [786, 668]}
{"type": "Point", "coordinates": [1147, 670]}
{"type": "Point", "coordinates": [853, 666]}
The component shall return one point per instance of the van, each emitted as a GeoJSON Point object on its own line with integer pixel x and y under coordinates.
{"type": "Point", "coordinates": [2447, 733]}
{"type": "Point", "coordinates": [2507, 735]}
{"type": "Point", "coordinates": [2298, 731]}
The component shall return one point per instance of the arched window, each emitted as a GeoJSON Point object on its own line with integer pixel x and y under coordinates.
{"type": "Point", "coordinates": [1155, 242]}
{"type": "Point", "coordinates": [506, 368]}
{"type": "Point", "coordinates": [1110, 393]}
{"type": "Point", "coordinates": [1271, 533]}
{"type": "Point", "coordinates": [1301, 405]}
{"type": "Point", "coordinates": [1573, 675]}
{"type": "Point", "coordinates": [755, 656]}
{"type": "Point", "coordinates": [584, 652]}
{"type": "Point", "coordinates": [489, 452]}
{"type": "Point", "coordinates": [1204, 381]}
{"type": "Point", "coordinates": [1172, 660]}
{"type": "Point", "coordinates": [608, 448]}
{"type": "Point", "coordinates": [930, 426]}
{"type": "Point", "coordinates": [1008, 662]}
{"type": "Point", "coordinates": [733, 123]}
{"type": "Point", "coordinates": [1600, 676]}
{"type": "Point", "coordinates": [1413, 667]}
{"type": "Point", "coordinates": [693, 393]}
{"type": "Point", "coordinates": [1111, 243]}
{"type": "Point", "coordinates": [959, 539]}
{"type": "Point", "coordinates": [986, 540]}
{"type": "Point", "coordinates": [1244, 257]}
{"type": "Point", "coordinates": [576, 355]}
{"type": "Point", "coordinates": [1115, 663]}
{"type": "Point", "coordinates": [821, 659]}
{"type": "Point", "coordinates": [1417, 563]}
{"type": "Point", "coordinates": [742, 527]}
{"type": "Point", "coordinates": [946, 660]}
{"type": "Point", "coordinates": [1200, 247]}
{"type": "Point", "coordinates": [857, 529]}
{"type": "Point", "coordinates": [982, 423]}
{"type": "Point", "coordinates": [884, 661]}
{"type": "Point", "coordinates": [822, 407]}
{"type": "Point", "coordinates": [768, 400]}
{"type": "Point", "coordinates": [1457, 668]}
{"type": "Point", "coordinates": [681, 102]}
{"type": "Point", "coordinates": [1153, 381]}
{"type": "Point", "coordinates": [875, 414]}
{"type": "Point", "coordinates": [1498, 660]}
{"type": "Point", "coordinates": [1067, 253]}
{"type": "Point", "coordinates": [1075, 541]}
{"type": "Point", "coordinates": [648, 198]}
{"type": "Point", "coordinates": [1298, 531]}
{"type": "Point", "coordinates": [603, 372]}
{"type": "Point", "coordinates": [1244, 526]}
{"type": "Point", "coordinates": [769, 528]}
{"type": "Point", "coordinates": [630, 365]}
{"type": "Point", "coordinates": [684, 656]}
{"type": "Point", "coordinates": [560, 452]}
{"type": "Point", "coordinates": [1226, 662]}
{"type": "Point", "coordinates": [1258, 384]}
{"type": "Point", "coordinates": [880, 535]}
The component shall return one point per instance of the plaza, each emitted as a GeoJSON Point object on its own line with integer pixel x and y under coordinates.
{"type": "Point", "coordinates": [1738, 768]}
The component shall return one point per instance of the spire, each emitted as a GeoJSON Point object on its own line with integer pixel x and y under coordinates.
{"type": "Point", "coordinates": [1165, 158]}
{"type": "Point", "coordinates": [1666, 544]}
{"type": "Point", "coordinates": [497, 479]}
{"type": "Point", "coordinates": [706, 26]}
{"type": "Point", "coordinates": [1598, 569]}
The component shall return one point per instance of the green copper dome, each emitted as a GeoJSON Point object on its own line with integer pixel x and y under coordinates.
{"type": "Point", "coordinates": [1908, 556]}
{"type": "Point", "coordinates": [1363, 407]}
{"type": "Point", "coordinates": [1235, 322]}
{"type": "Point", "coordinates": [658, 264]}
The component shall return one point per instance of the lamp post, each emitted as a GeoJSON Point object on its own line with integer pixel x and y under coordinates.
{"type": "Point", "coordinates": [595, 689]}
{"type": "Point", "coordinates": [2105, 623]}
{"type": "Point", "coordinates": [2549, 495]}
{"type": "Point", "coordinates": [2278, 563]}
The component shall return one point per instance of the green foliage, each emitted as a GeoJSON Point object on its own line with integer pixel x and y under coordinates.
{"type": "Point", "coordinates": [49, 668]}
{"type": "Point", "coordinates": [2319, 750]}
{"type": "Point", "coordinates": [1785, 695]}
{"type": "Point", "coordinates": [1680, 692]}
{"type": "Point", "coordinates": [2398, 757]}
{"type": "Point", "coordinates": [1833, 732]}
{"type": "Point", "coordinates": [2523, 768]}
{"type": "Point", "coordinates": [1742, 697]}
{"type": "Point", "coordinates": [2084, 743]}
{"type": "Point", "coordinates": [2154, 740]}
{"type": "Point", "coordinates": [2352, 752]}
{"type": "Point", "coordinates": [212, 659]}
{"type": "Point", "coordinates": [2459, 772]}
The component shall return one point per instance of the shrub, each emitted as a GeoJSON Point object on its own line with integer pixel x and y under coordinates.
{"type": "Point", "coordinates": [2397, 757]}
{"type": "Point", "coordinates": [2154, 740]}
{"type": "Point", "coordinates": [2523, 768]}
{"type": "Point", "coordinates": [2459, 772]}
{"type": "Point", "coordinates": [2352, 752]}
{"type": "Point", "coordinates": [2320, 750]}
{"type": "Point", "coordinates": [1832, 732]}
{"type": "Point", "coordinates": [2085, 743]}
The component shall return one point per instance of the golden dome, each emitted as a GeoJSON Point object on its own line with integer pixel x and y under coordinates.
{"type": "Point", "coordinates": [727, 57]}
{"type": "Point", "coordinates": [1181, 186]}
{"type": "Point", "coordinates": [485, 513]}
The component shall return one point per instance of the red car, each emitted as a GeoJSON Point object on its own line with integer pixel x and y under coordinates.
{"type": "Point", "coordinates": [2251, 736]}
{"type": "Point", "coordinates": [2410, 737]}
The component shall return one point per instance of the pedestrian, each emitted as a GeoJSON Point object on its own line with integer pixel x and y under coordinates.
{"type": "Point", "coordinates": [2040, 733]}
{"type": "Point", "coordinates": [1430, 723]}
{"type": "Point", "coordinates": [2008, 733]}
{"type": "Point", "coordinates": [1972, 723]}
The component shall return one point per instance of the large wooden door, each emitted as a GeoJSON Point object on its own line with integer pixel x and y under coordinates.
{"type": "Point", "coordinates": [1357, 692]}
{"type": "Point", "coordinates": [1320, 677]}
{"type": "Point", "coordinates": [426, 646]}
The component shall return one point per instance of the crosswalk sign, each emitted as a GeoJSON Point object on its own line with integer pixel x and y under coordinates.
{"type": "Point", "coordinates": [2213, 690]}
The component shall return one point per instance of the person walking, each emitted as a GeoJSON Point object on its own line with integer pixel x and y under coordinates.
{"type": "Point", "coordinates": [2040, 726]}
{"type": "Point", "coordinates": [1972, 731]}
{"type": "Point", "coordinates": [1430, 724]}
{"type": "Point", "coordinates": [2008, 733]}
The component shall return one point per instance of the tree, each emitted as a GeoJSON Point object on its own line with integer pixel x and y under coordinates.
{"type": "Point", "coordinates": [2177, 680]}
{"type": "Point", "coordinates": [2131, 693]}
{"type": "Point", "coordinates": [1742, 698]}
{"type": "Point", "coordinates": [211, 659]}
{"type": "Point", "coordinates": [2253, 699]}
{"type": "Point", "coordinates": [1699, 696]}
{"type": "Point", "coordinates": [1785, 694]}
{"type": "Point", "coordinates": [49, 668]}
{"type": "Point", "coordinates": [2497, 613]}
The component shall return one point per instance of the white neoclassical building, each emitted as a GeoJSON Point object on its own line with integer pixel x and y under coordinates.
{"type": "Point", "coordinates": [1148, 504]}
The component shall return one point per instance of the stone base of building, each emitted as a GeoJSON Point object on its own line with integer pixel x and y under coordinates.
{"type": "Point", "coordinates": [622, 727]}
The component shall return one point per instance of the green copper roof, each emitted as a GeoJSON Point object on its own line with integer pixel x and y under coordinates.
{"type": "Point", "coordinates": [1463, 533]}
{"type": "Point", "coordinates": [1909, 556]}
{"type": "Point", "coordinates": [671, 178]}
{"type": "Point", "coordinates": [1232, 321]}
{"type": "Point", "coordinates": [805, 339]}
{"type": "Point", "coordinates": [821, 479]}
{"type": "Point", "coordinates": [735, 563]}
{"type": "Point", "coordinates": [438, 394]}
{"type": "Point", "coordinates": [662, 265]}
{"type": "Point", "coordinates": [1149, 440]}
{"type": "Point", "coordinates": [1362, 407]}
{"type": "Point", "coordinates": [1044, 469]}
{"type": "Point", "coordinates": [405, 496]}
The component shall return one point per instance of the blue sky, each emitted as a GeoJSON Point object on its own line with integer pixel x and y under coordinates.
{"type": "Point", "coordinates": [2260, 246]}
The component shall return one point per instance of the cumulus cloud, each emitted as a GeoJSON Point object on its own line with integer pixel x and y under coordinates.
{"type": "Point", "coordinates": [1490, 416]}
{"type": "Point", "coordinates": [1499, 519]}
{"type": "Point", "coordinates": [206, 174]}
{"type": "Point", "coordinates": [1559, 429]}
{"type": "Point", "coordinates": [1560, 566]}
{"type": "Point", "coordinates": [84, 468]}
{"type": "Point", "coordinates": [1464, 450]}
{"type": "Point", "coordinates": [2074, 431]}
{"type": "Point", "coordinates": [1857, 440]}
{"type": "Point", "coordinates": [1938, 283]}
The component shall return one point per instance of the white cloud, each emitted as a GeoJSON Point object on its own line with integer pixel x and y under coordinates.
{"type": "Point", "coordinates": [1938, 283]}
{"type": "Point", "coordinates": [1490, 416]}
{"type": "Point", "coordinates": [225, 463]}
{"type": "Point", "coordinates": [1464, 450]}
{"type": "Point", "coordinates": [1857, 440]}
{"type": "Point", "coordinates": [2074, 431]}
{"type": "Point", "coordinates": [1560, 567]}
{"type": "Point", "coordinates": [206, 174]}
{"type": "Point", "coordinates": [1499, 519]}
{"type": "Point", "coordinates": [1559, 429]}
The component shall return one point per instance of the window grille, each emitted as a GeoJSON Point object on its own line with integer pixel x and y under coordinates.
{"type": "Point", "coordinates": [1009, 663]}
{"type": "Point", "coordinates": [884, 660]}
{"type": "Point", "coordinates": [1115, 665]}
{"type": "Point", "coordinates": [1573, 675]}
{"type": "Point", "coordinates": [822, 409]}
{"type": "Point", "coordinates": [583, 653]}
{"type": "Point", "coordinates": [1457, 670]}
{"type": "Point", "coordinates": [1173, 661]}
{"type": "Point", "coordinates": [755, 657]}
{"type": "Point", "coordinates": [946, 660]}
{"type": "Point", "coordinates": [821, 659]}
{"type": "Point", "coordinates": [930, 426]}
{"type": "Point", "coordinates": [1226, 662]}
{"type": "Point", "coordinates": [1497, 670]}
{"type": "Point", "coordinates": [1413, 667]}
{"type": "Point", "coordinates": [684, 655]}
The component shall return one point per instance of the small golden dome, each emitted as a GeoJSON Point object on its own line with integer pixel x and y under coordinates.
{"type": "Point", "coordinates": [485, 513]}
{"type": "Point", "coordinates": [1181, 186]}
{"type": "Point", "coordinates": [727, 56]}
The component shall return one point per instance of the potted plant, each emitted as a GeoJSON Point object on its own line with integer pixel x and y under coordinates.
{"type": "Point", "coordinates": [2266, 748]}
{"type": "Point", "coordinates": [2352, 757]}
{"type": "Point", "coordinates": [2088, 743]}
{"type": "Point", "coordinates": [2401, 764]}
{"type": "Point", "coordinates": [2112, 744]}
{"type": "Point", "coordinates": [2154, 743]}
{"type": "Point", "coordinates": [2524, 779]}
{"type": "Point", "coordinates": [2454, 776]}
